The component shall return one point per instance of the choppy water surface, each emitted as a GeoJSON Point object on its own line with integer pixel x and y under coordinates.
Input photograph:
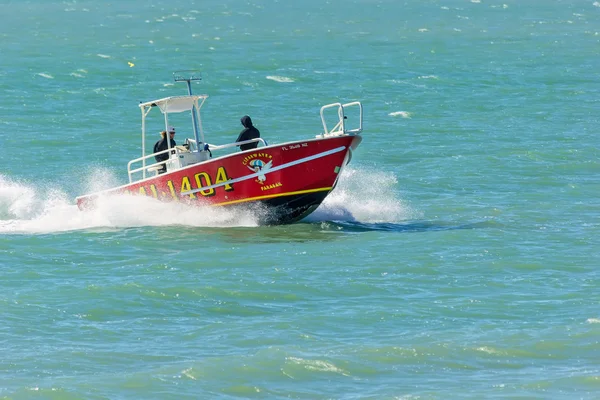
{"type": "Point", "coordinates": [457, 258]}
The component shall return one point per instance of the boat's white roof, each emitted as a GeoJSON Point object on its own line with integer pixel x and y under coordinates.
{"type": "Point", "coordinates": [174, 104]}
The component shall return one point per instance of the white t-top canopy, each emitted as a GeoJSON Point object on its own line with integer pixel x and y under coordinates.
{"type": "Point", "coordinates": [175, 104]}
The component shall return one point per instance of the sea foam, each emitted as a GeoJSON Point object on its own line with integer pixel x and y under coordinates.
{"type": "Point", "coordinates": [283, 79]}
{"type": "Point", "coordinates": [362, 195]}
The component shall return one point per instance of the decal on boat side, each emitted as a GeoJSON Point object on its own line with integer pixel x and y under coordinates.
{"type": "Point", "coordinates": [294, 146]}
{"type": "Point", "coordinates": [172, 189]}
{"type": "Point", "coordinates": [259, 163]}
{"type": "Point", "coordinates": [250, 157]}
{"type": "Point", "coordinates": [201, 179]}
{"type": "Point", "coordinates": [271, 186]}
{"type": "Point", "coordinates": [223, 177]}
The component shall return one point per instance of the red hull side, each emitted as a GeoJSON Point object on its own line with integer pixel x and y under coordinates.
{"type": "Point", "coordinates": [302, 172]}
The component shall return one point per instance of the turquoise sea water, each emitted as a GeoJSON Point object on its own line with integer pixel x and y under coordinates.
{"type": "Point", "coordinates": [458, 258]}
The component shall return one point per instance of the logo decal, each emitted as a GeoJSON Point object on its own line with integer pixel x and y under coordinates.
{"type": "Point", "coordinates": [260, 163]}
{"type": "Point", "coordinates": [258, 166]}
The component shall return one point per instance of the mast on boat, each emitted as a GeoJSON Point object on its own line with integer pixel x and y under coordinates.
{"type": "Point", "coordinates": [188, 77]}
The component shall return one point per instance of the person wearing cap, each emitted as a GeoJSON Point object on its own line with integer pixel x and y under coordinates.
{"type": "Point", "coordinates": [249, 132]}
{"type": "Point", "coordinates": [162, 145]}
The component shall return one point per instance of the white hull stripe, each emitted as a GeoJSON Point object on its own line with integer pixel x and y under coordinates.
{"type": "Point", "coordinates": [273, 169]}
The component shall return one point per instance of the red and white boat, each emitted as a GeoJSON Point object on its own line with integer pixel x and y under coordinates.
{"type": "Point", "coordinates": [282, 183]}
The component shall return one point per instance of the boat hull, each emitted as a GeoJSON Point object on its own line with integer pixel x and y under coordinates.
{"type": "Point", "coordinates": [282, 183]}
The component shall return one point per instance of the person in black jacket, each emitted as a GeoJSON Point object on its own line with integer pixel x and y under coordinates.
{"type": "Point", "coordinates": [249, 132]}
{"type": "Point", "coordinates": [161, 145]}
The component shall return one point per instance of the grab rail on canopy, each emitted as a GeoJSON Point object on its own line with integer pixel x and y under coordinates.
{"type": "Point", "coordinates": [340, 126]}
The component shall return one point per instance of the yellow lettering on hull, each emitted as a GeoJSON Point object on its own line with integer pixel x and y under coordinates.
{"type": "Point", "coordinates": [172, 190]}
{"type": "Point", "coordinates": [271, 186]}
{"type": "Point", "coordinates": [222, 177]}
{"type": "Point", "coordinates": [202, 179]}
{"type": "Point", "coordinates": [186, 186]}
{"type": "Point", "coordinates": [250, 157]}
{"type": "Point", "coordinates": [153, 190]}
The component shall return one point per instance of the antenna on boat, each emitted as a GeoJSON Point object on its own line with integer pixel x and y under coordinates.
{"type": "Point", "coordinates": [187, 77]}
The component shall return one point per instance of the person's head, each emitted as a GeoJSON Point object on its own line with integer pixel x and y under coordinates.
{"type": "Point", "coordinates": [246, 121]}
{"type": "Point", "coordinates": [171, 130]}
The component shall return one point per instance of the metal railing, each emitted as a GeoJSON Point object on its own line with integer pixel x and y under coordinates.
{"type": "Point", "coordinates": [155, 166]}
{"type": "Point", "coordinates": [338, 129]}
{"type": "Point", "coordinates": [212, 147]}
{"type": "Point", "coordinates": [340, 126]}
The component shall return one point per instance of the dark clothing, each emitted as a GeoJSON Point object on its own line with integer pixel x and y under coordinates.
{"type": "Point", "coordinates": [249, 132]}
{"type": "Point", "coordinates": [160, 146]}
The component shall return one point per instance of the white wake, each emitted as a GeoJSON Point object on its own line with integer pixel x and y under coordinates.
{"type": "Point", "coordinates": [362, 195]}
